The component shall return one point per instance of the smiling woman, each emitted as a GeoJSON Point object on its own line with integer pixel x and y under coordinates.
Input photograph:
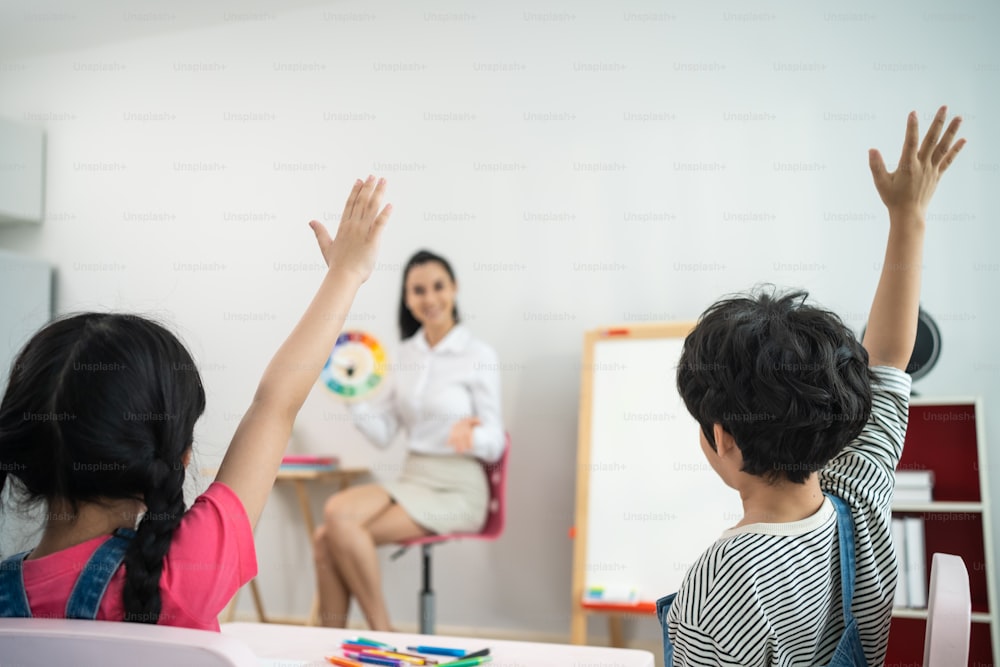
{"type": "Point", "coordinates": [445, 394]}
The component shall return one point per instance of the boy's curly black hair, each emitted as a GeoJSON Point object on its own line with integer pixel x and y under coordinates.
{"type": "Point", "coordinates": [789, 381]}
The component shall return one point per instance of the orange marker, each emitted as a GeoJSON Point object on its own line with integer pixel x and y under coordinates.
{"type": "Point", "coordinates": [344, 662]}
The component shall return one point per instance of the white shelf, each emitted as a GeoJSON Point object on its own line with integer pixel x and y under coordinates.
{"type": "Point", "coordinates": [976, 468]}
{"type": "Point", "coordinates": [942, 400]}
{"type": "Point", "coordinates": [938, 506]}
{"type": "Point", "coordinates": [906, 612]}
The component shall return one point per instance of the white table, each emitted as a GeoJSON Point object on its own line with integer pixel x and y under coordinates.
{"type": "Point", "coordinates": [284, 644]}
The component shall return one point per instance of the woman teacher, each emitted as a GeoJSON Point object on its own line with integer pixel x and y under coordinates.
{"type": "Point", "coordinates": [444, 392]}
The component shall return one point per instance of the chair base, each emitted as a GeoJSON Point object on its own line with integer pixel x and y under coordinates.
{"type": "Point", "coordinates": [426, 607]}
{"type": "Point", "coordinates": [426, 612]}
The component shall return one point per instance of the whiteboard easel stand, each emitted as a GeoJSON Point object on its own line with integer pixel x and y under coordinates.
{"type": "Point", "coordinates": [578, 621]}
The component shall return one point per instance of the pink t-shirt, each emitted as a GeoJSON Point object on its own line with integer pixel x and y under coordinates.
{"type": "Point", "coordinates": [211, 556]}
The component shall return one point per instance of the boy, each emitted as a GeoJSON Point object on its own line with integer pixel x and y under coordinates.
{"type": "Point", "coordinates": [791, 408]}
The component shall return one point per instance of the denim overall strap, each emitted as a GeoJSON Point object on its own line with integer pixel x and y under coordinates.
{"type": "Point", "coordinates": [13, 597]}
{"type": "Point", "coordinates": [845, 534]}
{"type": "Point", "coordinates": [662, 609]}
{"type": "Point", "coordinates": [89, 589]}
{"type": "Point", "coordinates": [849, 652]}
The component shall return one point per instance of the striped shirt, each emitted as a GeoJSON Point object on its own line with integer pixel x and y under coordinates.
{"type": "Point", "coordinates": [769, 594]}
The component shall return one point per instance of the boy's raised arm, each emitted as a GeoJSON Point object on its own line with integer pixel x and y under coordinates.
{"type": "Point", "coordinates": [906, 192]}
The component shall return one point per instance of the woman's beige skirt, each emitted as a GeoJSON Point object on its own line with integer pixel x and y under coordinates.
{"type": "Point", "coordinates": [444, 494]}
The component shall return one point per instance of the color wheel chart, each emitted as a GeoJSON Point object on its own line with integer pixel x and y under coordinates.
{"type": "Point", "coordinates": [356, 366]}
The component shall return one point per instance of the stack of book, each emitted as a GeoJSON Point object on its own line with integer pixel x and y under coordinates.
{"type": "Point", "coordinates": [309, 462]}
{"type": "Point", "coordinates": [912, 487]}
{"type": "Point", "coordinates": [911, 554]}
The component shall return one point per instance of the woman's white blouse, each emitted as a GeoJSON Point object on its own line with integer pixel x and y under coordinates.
{"type": "Point", "coordinates": [429, 389]}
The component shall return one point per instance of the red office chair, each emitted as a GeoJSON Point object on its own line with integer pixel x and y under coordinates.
{"type": "Point", "coordinates": [496, 474]}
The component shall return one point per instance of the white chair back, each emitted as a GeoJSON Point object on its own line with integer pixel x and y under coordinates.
{"type": "Point", "coordinates": [949, 613]}
{"type": "Point", "coordinates": [41, 642]}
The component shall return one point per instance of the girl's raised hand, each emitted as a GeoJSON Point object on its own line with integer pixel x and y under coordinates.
{"type": "Point", "coordinates": [355, 245]}
{"type": "Point", "coordinates": [254, 456]}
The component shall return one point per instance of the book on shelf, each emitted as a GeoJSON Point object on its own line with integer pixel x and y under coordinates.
{"type": "Point", "coordinates": [902, 599]}
{"type": "Point", "coordinates": [916, 562]}
{"type": "Point", "coordinates": [912, 478]}
{"type": "Point", "coordinates": [911, 581]}
{"type": "Point", "coordinates": [309, 462]}
{"type": "Point", "coordinates": [902, 496]}
{"type": "Point", "coordinates": [913, 486]}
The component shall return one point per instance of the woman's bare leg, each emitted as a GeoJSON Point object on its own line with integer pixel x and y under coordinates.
{"type": "Point", "coordinates": [334, 598]}
{"type": "Point", "coordinates": [355, 505]}
{"type": "Point", "coordinates": [353, 547]}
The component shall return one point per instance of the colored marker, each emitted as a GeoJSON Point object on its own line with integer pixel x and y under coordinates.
{"type": "Point", "coordinates": [354, 646]}
{"type": "Point", "coordinates": [477, 654]}
{"type": "Point", "coordinates": [372, 642]}
{"type": "Point", "coordinates": [374, 659]}
{"type": "Point", "coordinates": [437, 650]}
{"type": "Point", "coordinates": [405, 657]}
{"type": "Point", "coordinates": [467, 662]}
{"type": "Point", "coordinates": [343, 662]}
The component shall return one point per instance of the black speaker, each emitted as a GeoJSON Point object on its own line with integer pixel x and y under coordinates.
{"type": "Point", "coordinates": [926, 349]}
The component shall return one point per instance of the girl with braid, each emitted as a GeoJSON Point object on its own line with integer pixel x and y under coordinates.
{"type": "Point", "coordinates": [97, 423]}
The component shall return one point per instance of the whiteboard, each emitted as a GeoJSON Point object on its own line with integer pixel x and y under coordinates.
{"type": "Point", "coordinates": [653, 502]}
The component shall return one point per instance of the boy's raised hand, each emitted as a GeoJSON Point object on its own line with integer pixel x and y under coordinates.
{"type": "Point", "coordinates": [355, 245]}
{"type": "Point", "coordinates": [908, 190]}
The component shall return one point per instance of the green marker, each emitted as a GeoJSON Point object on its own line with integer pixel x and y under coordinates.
{"type": "Point", "coordinates": [466, 662]}
{"type": "Point", "coordinates": [372, 642]}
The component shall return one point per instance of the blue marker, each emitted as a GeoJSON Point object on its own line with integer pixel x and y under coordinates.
{"type": "Point", "coordinates": [373, 659]}
{"type": "Point", "coordinates": [437, 650]}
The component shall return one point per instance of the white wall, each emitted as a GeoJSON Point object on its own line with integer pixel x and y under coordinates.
{"type": "Point", "coordinates": [581, 164]}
